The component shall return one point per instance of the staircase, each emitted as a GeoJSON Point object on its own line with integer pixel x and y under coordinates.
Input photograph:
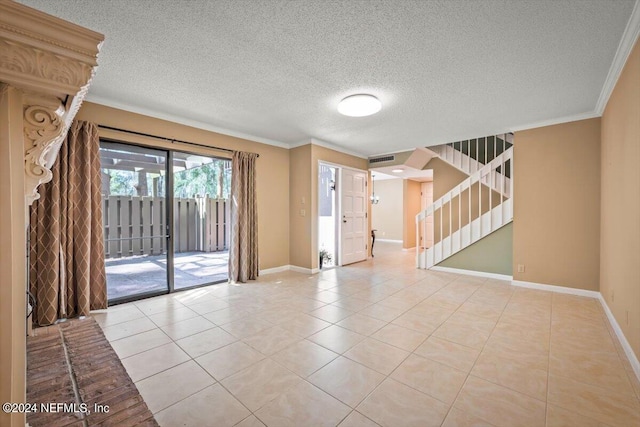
{"type": "Point", "coordinates": [477, 206]}
{"type": "Point", "coordinates": [471, 155]}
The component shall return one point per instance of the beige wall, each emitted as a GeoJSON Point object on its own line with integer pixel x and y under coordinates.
{"type": "Point", "coordinates": [303, 183]}
{"type": "Point", "coordinates": [272, 170]}
{"type": "Point", "coordinates": [300, 188]}
{"type": "Point", "coordinates": [387, 216]}
{"type": "Point", "coordinates": [556, 232]}
{"type": "Point", "coordinates": [445, 177]}
{"type": "Point", "coordinates": [620, 209]}
{"type": "Point", "coordinates": [410, 208]}
{"type": "Point", "coordinates": [492, 254]}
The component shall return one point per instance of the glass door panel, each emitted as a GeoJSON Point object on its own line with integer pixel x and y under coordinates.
{"type": "Point", "coordinates": [200, 219]}
{"type": "Point", "coordinates": [134, 200]}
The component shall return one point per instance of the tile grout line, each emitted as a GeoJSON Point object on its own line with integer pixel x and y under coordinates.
{"type": "Point", "coordinates": [476, 361]}
{"type": "Point", "coordinates": [267, 306]}
{"type": "Point", "coordinates": [631, 376]}
{"type": "Point", "coordinates": [342, 355]}
{"type": "Point", "coordinates": [509, 388]}
{"type": "Point", "coordinates": [546, 403]}
{"type": "Point", "coordinates": [413, 353]}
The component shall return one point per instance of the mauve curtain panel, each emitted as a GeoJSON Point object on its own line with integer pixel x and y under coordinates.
{"type": "Point", "coordinates": [66, 265]}
{"type": "Point", "coordinates": [243, 254]}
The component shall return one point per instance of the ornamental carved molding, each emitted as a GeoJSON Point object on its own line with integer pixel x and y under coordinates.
{"type": "Point", "coordinates": [44, 130]}
{"type": "Point", "coordinates": [29, 67]}
{"type": "Point", "coordinates": [46, 122]}
{"type": "Point", "coordinates": [52, 62]}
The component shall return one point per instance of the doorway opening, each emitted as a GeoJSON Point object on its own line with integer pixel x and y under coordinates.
{"type": "Point", "coordinates": [343, 229]}
{"type": "Point", "coordinates": [328, 231]}
{"type": "Point", "coordinates": [166, 220]}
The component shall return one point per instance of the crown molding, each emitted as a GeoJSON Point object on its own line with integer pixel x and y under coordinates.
{"type": "Point", "coordinates": [560, 120]}
{"type": "Point", "coordinates": [182, 121]}
{"type": "Point", "coordinates": [300, 143]}
{"type": "Point", "coordinates": [52, 63]}
{"type": "Point", "coordinates": [334, 147]}
{"type": "Point", "coordinates": [45, 54]}
{"type": "Point", "coordinates": [23, 24]}
{"type": "Point", "coordinates": [627, 42]}
{"type": "Point", "coordinates": [325, 144]}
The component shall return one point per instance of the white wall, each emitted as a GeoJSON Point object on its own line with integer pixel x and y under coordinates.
{"type": "Point", "coordinates": [386, 216]}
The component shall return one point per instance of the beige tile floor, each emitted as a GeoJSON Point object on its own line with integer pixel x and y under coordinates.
{"type": "Point", "coordinates": [376, 343]}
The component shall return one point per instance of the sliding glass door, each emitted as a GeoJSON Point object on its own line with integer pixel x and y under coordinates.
{"type": "Point", "coordinates": [165, 229]}
{"type": "Point", "coordinates": [134, 206]}
{"type": "Point", "coordinates": [201, 219]}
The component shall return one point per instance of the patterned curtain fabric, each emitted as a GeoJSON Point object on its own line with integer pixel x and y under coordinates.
{"type": "Point", "coordinates": [66, 266]}
{"type": "Point", "coordinates": [243, 253]}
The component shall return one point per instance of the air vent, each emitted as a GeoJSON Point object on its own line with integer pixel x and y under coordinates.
{"type": "Point", "coordinates": [382, 159]}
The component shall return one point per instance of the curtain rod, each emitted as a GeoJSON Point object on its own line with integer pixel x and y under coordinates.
{"type": "Point", "coordinates": [169, 139]}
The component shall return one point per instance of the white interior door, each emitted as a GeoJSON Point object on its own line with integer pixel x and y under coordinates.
{"type": "Point", "coordinates": [353, 214]}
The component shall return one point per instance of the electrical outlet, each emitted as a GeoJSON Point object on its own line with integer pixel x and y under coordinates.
{"type": "Point", "coordinates": [520, 268]}
{"type": "Point", "coordinates": [303, 212]}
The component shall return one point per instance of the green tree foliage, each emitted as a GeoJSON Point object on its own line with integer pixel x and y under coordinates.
{"type": "Point", "coordinates": [211, 179]}
{"type": "Point", "coordinates": [122, 183]}
{"type": "Point", "coordinates": [203, 181]}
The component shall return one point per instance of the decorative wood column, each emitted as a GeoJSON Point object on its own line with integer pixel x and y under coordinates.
{"type": "Point", "coordinates": [46, 66]}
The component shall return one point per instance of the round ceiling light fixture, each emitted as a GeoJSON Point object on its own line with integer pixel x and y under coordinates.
{"type": "Point", "coordinates": [397, 170]}
{"type": "Point", "coordinates": [360, 105]}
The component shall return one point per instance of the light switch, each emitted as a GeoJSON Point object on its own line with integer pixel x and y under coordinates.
{"type": "Point", "coordinates": [303, 200]}
{"type": "Point", "coordinates": [302, 212]}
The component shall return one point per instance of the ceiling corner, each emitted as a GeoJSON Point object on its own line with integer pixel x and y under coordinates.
{"type": "Point", "coordinates": [627, 41]}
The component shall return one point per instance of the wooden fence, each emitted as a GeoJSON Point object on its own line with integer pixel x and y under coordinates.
{"type": "Point", "coordinates": [137, 225]}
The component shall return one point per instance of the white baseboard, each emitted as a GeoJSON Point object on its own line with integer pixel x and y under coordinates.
{"type": "Point", "coordinates": [388, 240]}
{"type": "Point", "coordinates": [275, 269]}
{"type": "Point", "coordinates": [472, 273]}
{"type": "Point", "coordinates": [633, 359]}
{"type": "Point", "coordinates": [289, 268]}
{"type": "Point", "coordinates": [556, 288]}
{"type": "Point", "coordinates": [303, 270]}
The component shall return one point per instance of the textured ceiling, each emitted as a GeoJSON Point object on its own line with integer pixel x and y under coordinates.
{"type": "Point", "coordinates": [275, 70]}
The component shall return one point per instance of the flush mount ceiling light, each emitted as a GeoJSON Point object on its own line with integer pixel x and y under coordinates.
{"type": "Point", "coordinates": [359, 105]}
{"type": "Point", "coordinates": [397, 170]}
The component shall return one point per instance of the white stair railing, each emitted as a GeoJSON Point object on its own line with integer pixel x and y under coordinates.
{"type": "Point", "coordinates": [471, 155]}
{"type": "Point", "coordinates": [476, 207]}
